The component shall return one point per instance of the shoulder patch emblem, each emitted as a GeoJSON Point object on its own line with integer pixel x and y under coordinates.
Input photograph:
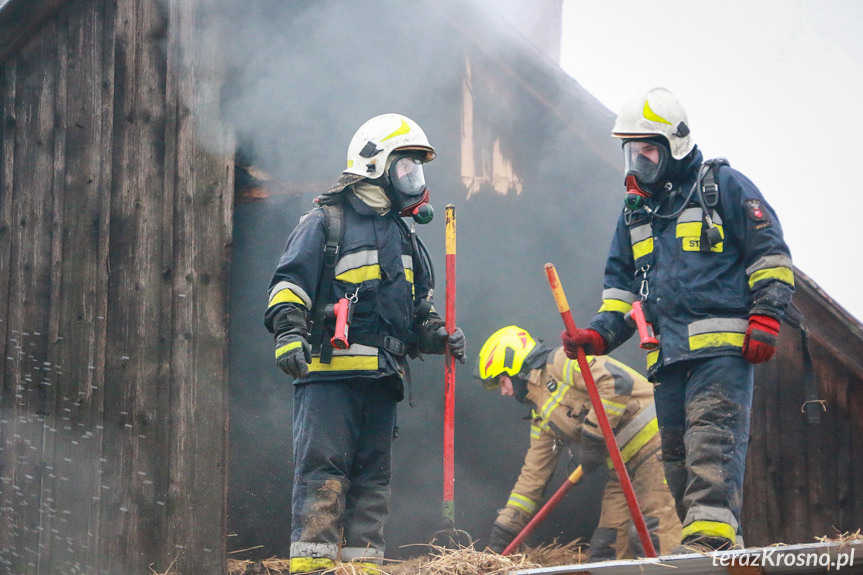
{"type": "Point", "coordinates": [551, 385]}
{"type": "Point", "coordinates": [756, 211]}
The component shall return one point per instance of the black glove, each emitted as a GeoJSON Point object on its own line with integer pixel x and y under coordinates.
{"type": "Point", "coordinates": [500, 538]}
{"type": "Point", "coordinates": [293, 353]}
{"type": "Point", "coordinates": [593, 452]}
{"type": "Point", "coordinates": [457, 344]}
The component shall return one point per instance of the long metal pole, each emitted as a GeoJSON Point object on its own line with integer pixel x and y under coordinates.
{"type": "Point", "coordinates": [596, 400]}
{"type": "Point", "coordinates": [449, 382]}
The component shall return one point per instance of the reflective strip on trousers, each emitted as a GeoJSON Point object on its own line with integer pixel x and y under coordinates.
{"type": "Point", "coordinates": [363, 554]}
{"type": "Point", "coordinates": [710, 529]}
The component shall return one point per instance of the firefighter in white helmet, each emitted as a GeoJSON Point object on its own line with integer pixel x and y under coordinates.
{"type": "Point", "coordinates": [349, 302]}
{"type": "Point", "coordinates": [562, 414]}
{"type": "Point", "coordinates": [700, 254]}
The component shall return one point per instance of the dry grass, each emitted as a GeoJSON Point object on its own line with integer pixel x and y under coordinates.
{"type": "Point", "coordinates": [846, 537]}
{"type": "Point", "coordinates": [440, 561]}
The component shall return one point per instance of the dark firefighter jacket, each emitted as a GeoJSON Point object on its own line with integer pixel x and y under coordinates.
{"type": "Point", "coordinates": [380, 262]}
{"type": "Point", "coordinates": [698, 300]}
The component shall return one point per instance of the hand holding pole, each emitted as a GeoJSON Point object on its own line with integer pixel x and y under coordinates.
{"type": "Point", "coordinates": [596, 400]}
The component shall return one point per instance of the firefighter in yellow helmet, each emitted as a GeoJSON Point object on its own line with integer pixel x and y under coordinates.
{"type": "Point", "coordinates": [562, 413]}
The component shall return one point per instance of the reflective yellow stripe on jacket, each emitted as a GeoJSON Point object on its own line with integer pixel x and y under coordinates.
{"type": "Point", "coordinates": [617, 300]}
{"type": "Point", "coordinates": [286, 292]}
{"type": "Point", "coordinates": [717, 332]}
{"type": "Point", "coordinates": [770, 268]}
{"type": "Point", "coordinates": [356, 358]}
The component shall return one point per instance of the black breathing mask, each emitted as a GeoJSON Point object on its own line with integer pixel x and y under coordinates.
{"type": "Point", "coordinates": [646, 161]}
{"type": "Point", "coordinates": [408, 191]}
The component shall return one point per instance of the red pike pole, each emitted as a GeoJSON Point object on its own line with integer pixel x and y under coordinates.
{"type": "Point", "coordinates": [449, 381]}
{"type": "Point", "coordinates": [596, 400]}
{"type": "Point", "coordinates": [540, 516]}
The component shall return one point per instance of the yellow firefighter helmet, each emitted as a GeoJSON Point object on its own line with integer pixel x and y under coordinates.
{"type": "Point", "coordinates": [503, 352]}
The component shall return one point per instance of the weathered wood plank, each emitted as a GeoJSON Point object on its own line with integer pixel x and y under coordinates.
{"type": "Point", "coordinates": [202, 215]}
{"type": "Point", "coordinates": [76, 457]}
{"type": "Point", "coordinates": [29, 289]}
{"type": "Point", "coordinates": [8, 343]}
{"type": "Point", "coordinates": [137, 347]}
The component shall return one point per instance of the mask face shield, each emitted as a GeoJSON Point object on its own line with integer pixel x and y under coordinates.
{"type": "Point", "coordinates": [647, 160]}
{"type": "Point", "coordinates": [411, 195]}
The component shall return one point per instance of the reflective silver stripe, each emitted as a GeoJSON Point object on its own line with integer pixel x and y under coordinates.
{"type": "Point", "coordinates": [638, 422]}
{"type": "Point", "coordinates": [357, 260]}
{"type": "Point", "coordinates": [308, 549]}
{"type": "Point", "coordinates": [696, 214]}
{"type": "Point", "coordinates": [356, 349]}
{"type": "Point", "coordinates": [766, 262]}
{"type": "Point", "coordinates": [619, 294]}
{"type": "Point", "coordinates": [690, 215]}
{"type": "Point", "coordinates": [407, 262]}
{"type": "Point", "coordinates": [718, 325]}
{"type": "Point", "coordinates": [365, 553]}
{"type": "Point", "coordinates": [640, 233]}
{"type": "Point", "coordinates": [293, 288]}
{"type": "Point", "coordinates": [718, 514]}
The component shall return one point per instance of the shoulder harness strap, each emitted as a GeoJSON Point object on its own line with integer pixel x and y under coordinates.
{"type": "Point", "coordinates": [335, 235]}
{"type": "Point", "coordinates": [708, 197]}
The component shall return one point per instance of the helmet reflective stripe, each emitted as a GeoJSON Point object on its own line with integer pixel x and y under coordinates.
{"type": "Point", "coordinates": [656, 113]}
{"type": "Point", "coordinates": [379, 137]}
{"type": "Point", "coordinates": [503, 352]}
{"type": "Point", "coordinates": [403, 129]}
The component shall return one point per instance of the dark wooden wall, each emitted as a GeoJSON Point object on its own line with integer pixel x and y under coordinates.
{"type": "Point", "coordinates": [115, 231]}
{"type": "Point", "coordinates": [805, 479]}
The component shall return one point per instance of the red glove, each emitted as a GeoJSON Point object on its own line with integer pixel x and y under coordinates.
{"type": "Point", "coordinates": [589, 339]}
{"type": "Point", "coordinates": [759, 343]}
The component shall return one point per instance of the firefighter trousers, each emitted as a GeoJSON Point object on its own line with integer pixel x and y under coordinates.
{"type": "Point", "coordinates": [703, 408]}
{"type": "Point", "coordinates": [615, 537]}
{"type": "Point", "coordinates": [343, 434]}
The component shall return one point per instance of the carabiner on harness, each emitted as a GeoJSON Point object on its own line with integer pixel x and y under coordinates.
{"type": "Point", "coordinates": [644, 290]}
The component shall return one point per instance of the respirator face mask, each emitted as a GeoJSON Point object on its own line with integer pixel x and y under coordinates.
{"type": "Point", "coordinates": [410, 193]}
{"type": "Point", "coordinates": [645, 162]}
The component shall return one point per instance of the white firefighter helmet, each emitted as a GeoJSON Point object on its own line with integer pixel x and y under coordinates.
{"type": "Point", "coordinates": [656, 113]}
{"type": "Point", "coordinates": [379, 137]}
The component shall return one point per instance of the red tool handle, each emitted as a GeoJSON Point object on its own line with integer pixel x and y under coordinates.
{"type": "Point", "coordinates": [540, 516]}
{"type": "Point", "coordinates": [449, 381]}
{"type": "Point", "coordinates": [341, 309]}
{"type": "Point", "coordinates": [646, 336]}
{"type": "Point", "coordinates": [602, 418]}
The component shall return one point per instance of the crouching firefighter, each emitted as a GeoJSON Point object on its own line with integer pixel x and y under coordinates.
{"type": "Point", "coordinates": [561, 415]}
{"type": "Point", "coordinates": [350, 301]}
